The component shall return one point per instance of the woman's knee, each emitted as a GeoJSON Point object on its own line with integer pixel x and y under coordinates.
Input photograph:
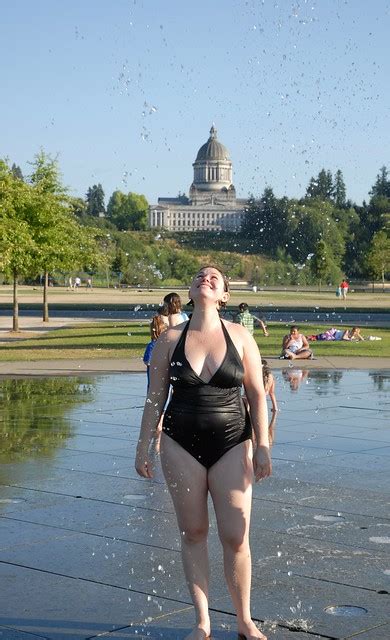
{"type": "Point", "coordinates": [235, 541]}
{"type": "Point", "coordinates": [194, 534]}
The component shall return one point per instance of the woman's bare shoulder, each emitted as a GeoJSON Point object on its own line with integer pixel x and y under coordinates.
{"type": "Point", "coordinates": [233, 328]}
{"type": "Point", "coordinates": [239, 334]}
{"type": "Point", "coordinates": [168, 340]}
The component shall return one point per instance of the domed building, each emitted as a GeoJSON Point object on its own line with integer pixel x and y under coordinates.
{"type": "Point", "coordinates": [212, 204]}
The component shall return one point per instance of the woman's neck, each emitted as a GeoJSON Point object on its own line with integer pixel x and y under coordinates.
{"type": "Point", "coordinates": [205, 317]}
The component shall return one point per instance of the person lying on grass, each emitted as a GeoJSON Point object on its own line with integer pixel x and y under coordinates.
{"type": "Point", "coordinates": [349, 335]}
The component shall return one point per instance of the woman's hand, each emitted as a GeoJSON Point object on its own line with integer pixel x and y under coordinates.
{"type": "Point", "coordinates": [143, 464]}
{"type": "Point", "coordinates": [262, 465]}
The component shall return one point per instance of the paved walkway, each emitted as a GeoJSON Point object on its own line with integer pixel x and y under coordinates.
{"type": "Point", "coordinates": [85, 366]}
{"type": "Point", "coordinates": [90, 550]}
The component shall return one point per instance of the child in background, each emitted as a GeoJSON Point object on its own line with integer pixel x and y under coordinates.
{"type": "Point", "coordinates": [157, 326]}
{"type": "Point", "coordinates": [269, 388]}
{"type": "Point", "coordinates": [269, 385]}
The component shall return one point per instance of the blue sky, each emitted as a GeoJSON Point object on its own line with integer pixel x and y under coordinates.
{"type": "Point", "coordinates": [125, 92]}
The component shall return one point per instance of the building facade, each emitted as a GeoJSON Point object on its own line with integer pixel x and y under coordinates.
{"type": "Point", "coordinates": [212, 204]}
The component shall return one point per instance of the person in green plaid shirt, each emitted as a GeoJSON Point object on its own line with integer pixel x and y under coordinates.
{"type": "Point", "coordinates": [248, 320]}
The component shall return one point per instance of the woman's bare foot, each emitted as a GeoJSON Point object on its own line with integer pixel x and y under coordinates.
{"type": "Point", "coordinates": [249, 631]}
{"type": "Point", "coordinates": [200, 632]}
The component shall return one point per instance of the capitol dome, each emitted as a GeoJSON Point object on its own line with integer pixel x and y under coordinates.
{"type": "Point", "coordinates": [212, 168]}
{"type": "Point", "coordinates": [212, 149]}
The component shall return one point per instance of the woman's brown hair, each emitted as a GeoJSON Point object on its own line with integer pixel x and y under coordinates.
{"type": "Point", "coordinates": [173, 302]}
{"type": "Point", "coordinates": [157, 326]}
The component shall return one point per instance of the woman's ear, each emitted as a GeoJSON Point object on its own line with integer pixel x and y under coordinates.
{"type": "Point", "coordinates": [225, 296]}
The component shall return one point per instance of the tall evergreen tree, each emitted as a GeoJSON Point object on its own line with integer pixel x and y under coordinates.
{"type": "Point", "coordinates": [339, 191]}
{"type": "Point", "coordinates": [321, 187]}
{"type": "Point", "coordinates": [17, 172]}
{"type": "Point", "coordinates": [382, 184]}
{"type": "Point", "coordinates": [95, 201]}
{"type": "Point", "coordinates": [265, 222]}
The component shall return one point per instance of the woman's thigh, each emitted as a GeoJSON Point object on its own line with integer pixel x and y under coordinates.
{"type": "Point", "coordinates": [230, 486]}
{"type": "Point", "coordinates": [186, 479]}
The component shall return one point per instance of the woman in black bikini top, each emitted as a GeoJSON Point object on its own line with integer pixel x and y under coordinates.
{"type": "Point", "coordinates": [206, 444]}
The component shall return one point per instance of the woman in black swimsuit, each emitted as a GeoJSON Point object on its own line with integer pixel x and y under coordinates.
{"type": "Point", "coordinates": [206, 443]}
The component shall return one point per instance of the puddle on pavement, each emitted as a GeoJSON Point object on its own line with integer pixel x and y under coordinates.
{"type": "Point", "coordinates": [348, 611]}
{"type": "Point", "coordinates": [321, 518]}
{"type": "Point", "coordinates": [34, 420]}
{"type": "Point", "coordinates": [47, 418]}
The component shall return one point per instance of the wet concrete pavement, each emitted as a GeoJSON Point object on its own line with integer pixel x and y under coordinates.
{"type": "Point", "coordinates": [88, 549]}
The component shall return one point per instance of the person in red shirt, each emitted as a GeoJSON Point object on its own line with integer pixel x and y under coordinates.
{"type": "Point", "coordinates": [344, 286]}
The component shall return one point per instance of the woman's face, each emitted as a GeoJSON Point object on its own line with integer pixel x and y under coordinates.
{"type": "Point", "coordinates": [208, 284]}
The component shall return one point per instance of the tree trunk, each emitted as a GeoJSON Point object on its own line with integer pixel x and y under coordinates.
{"type": "Point", "coordinates": [383, 280]}
{"type": "Point", "coordinates": [45, 317]}
{"type": "Point", "coordinates": [15, 317]}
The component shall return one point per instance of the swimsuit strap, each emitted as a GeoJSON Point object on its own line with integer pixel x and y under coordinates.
{"type": "Point", "coordinates": [181, 342]}
{"type": "Point", "coordinates": [180, 346]}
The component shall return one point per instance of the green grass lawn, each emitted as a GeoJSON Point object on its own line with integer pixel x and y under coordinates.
{"type": "Point", "coordinates": [128, 340]}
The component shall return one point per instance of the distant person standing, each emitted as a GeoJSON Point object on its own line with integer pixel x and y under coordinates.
{"type": "Point", "coordinates": [77, 283]}
{"type": "Point", "coordinates": [89, 283]}
{"type": "Point", "coordinates": [70, 283]}
{"type": "Point", "coordinates": [247, 319]}
{"type": "Point", "coordinates": [344, 286]}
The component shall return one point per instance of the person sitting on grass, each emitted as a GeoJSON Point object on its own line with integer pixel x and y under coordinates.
{"type": "Point", "coordinates": [349, 335]}
{"type": "Point", "coordinates": [295, 346]}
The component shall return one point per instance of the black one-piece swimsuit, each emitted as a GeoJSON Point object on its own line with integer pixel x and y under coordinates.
{"type": "Point", "coordinates": [207, 419]}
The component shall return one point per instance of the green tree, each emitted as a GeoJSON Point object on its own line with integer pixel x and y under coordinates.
{"type": "Point", "coordinates": [265, 222]}
{"type": "Point", "coordinates": [321, 187]}
{"type": "Point", "coordinates": [17, 172]}
{"type": "Point", "coordinates": [95, 201]}
{"type": "Point", "coordinates": [128, 211]}
{"type": "Point", "coordinates": [378, 257]}
{"type": "Point", "coordinates": [18, 250]}
{"type": "Point", "coordinates": [322, 263]}
{"type": "Point", "coordinates": [47, 223]}
{"type": "Point", "coordinates": [78, 206]}
{"type": "Point", "coordinates": [310, 221]}
{"type": "Point", "coordinates": [339, 190]}
{"type": "Point", "coordinates": [382, 184]}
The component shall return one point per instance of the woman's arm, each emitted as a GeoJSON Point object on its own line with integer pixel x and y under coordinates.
{"type": "Point", "coordinates": [254, 389]}
{"type": "Point", "coordinates": [286, 341]}
{"type": "Point", "coordinates": [305, 344]}
{"type": "Point", "coordinates": [155, 402]}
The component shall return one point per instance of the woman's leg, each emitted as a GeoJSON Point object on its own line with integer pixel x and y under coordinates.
{"type": "Point", "coordinates": [187, 483]}
{"type": "Point", "coordinates": [304, 354]}
{"type": "Point", "coordinates": [230, 486]}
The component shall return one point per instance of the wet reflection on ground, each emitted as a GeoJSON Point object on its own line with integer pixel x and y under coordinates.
{"type": "Point", "coordinates": [48, 417]}
{"type": "Point", "coordinates": [73, 508]}
{"type": "Point", "coordinates": [35, 415]}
